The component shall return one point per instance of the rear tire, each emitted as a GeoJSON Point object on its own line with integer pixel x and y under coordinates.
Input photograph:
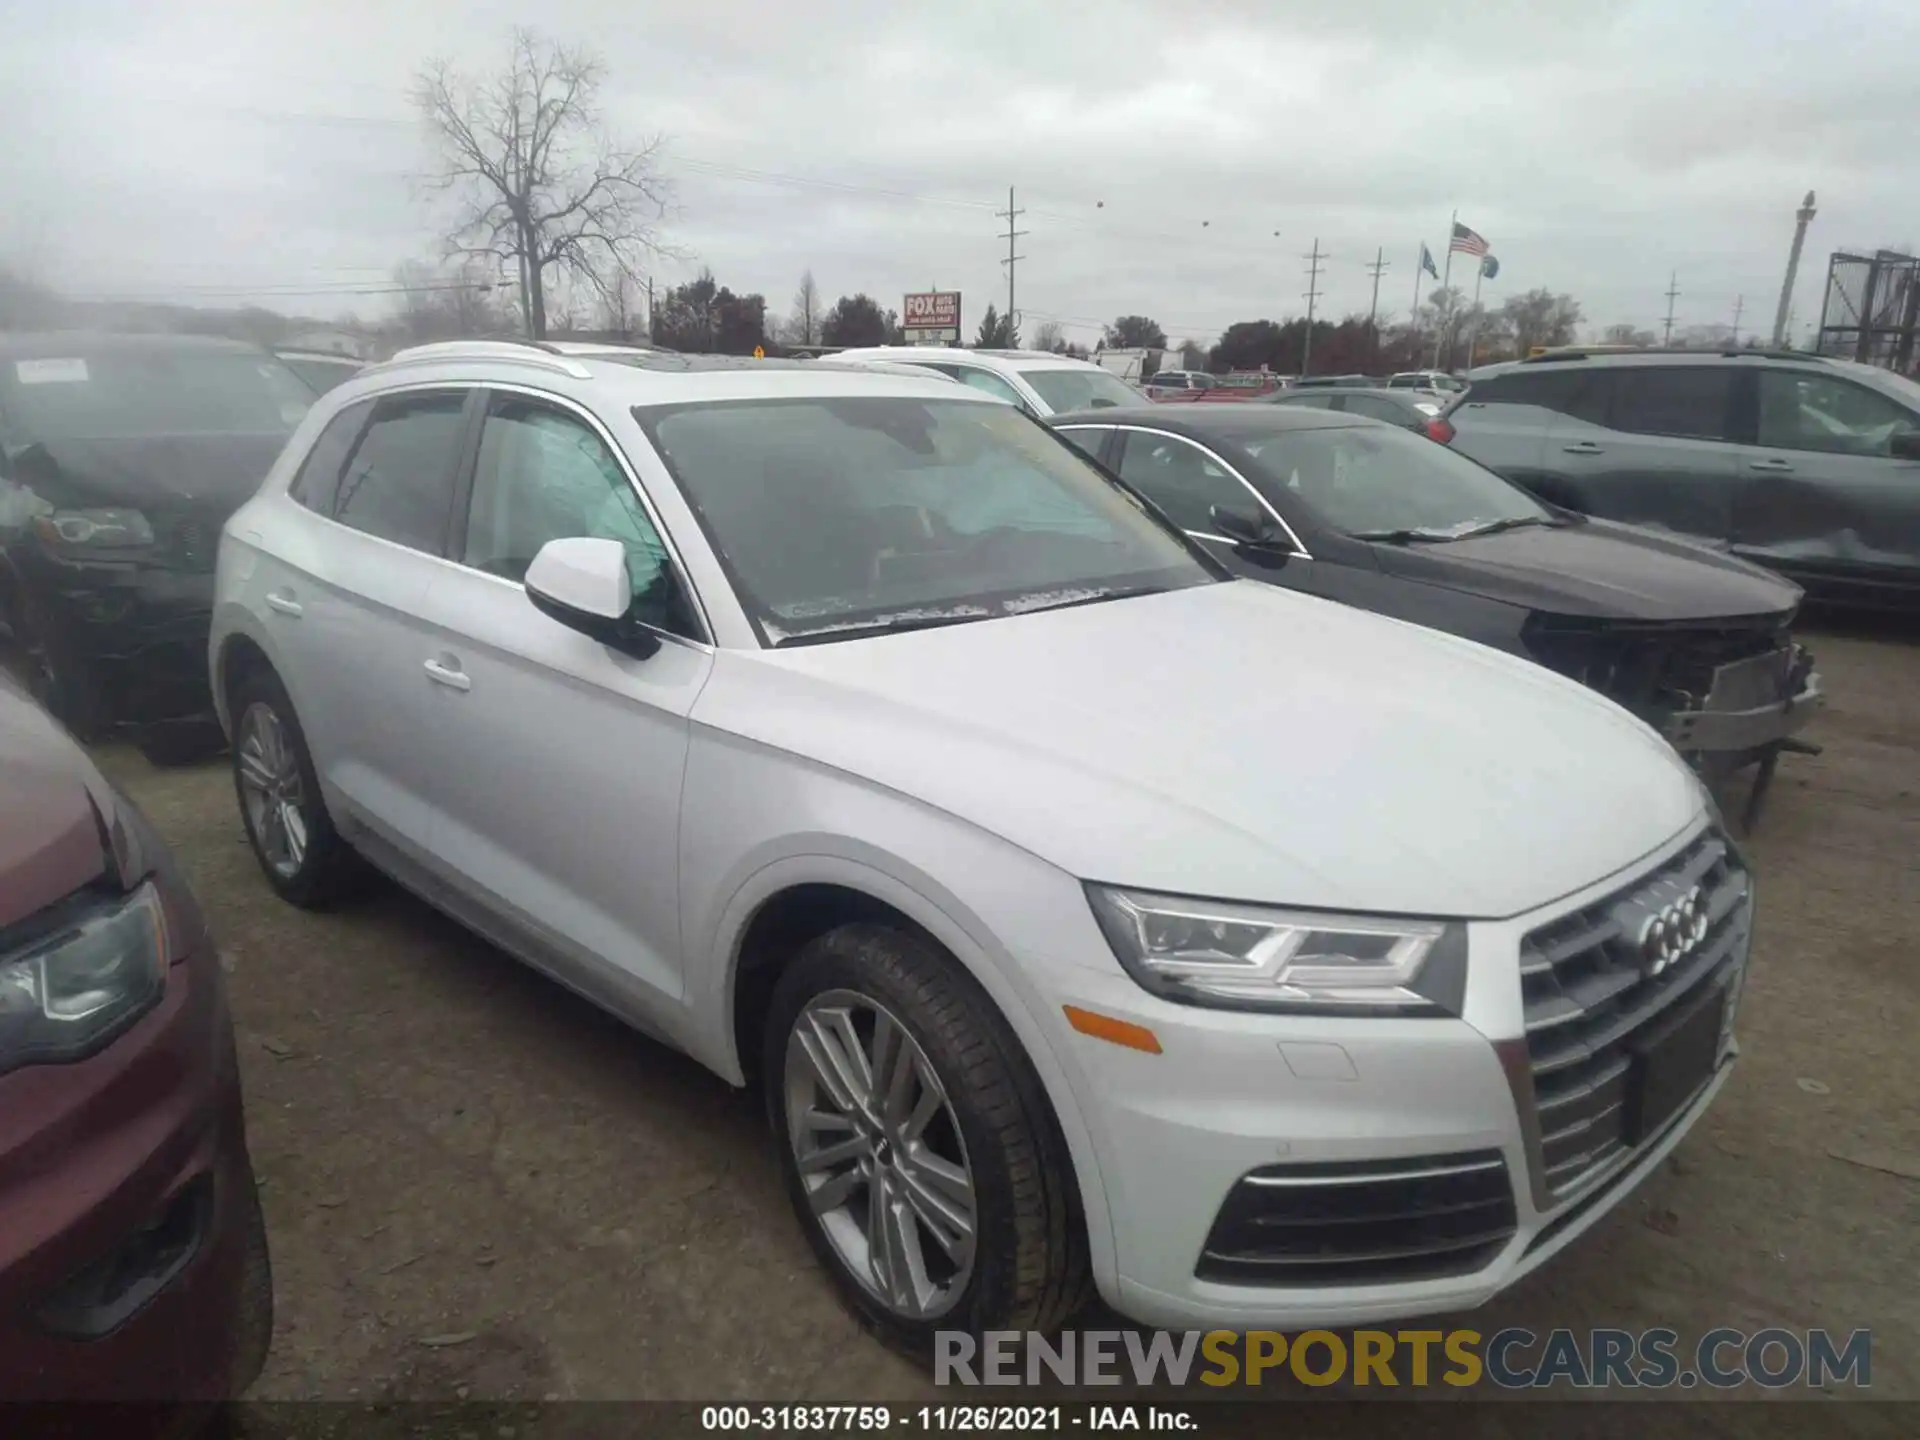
{"type": "Point", "coordinates": [281, 804]}
{"type": "Point", "coordinates": [987, 1149]}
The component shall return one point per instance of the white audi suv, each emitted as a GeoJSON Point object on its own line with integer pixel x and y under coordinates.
{"type": "Point", "coordinates": [1091, 919]}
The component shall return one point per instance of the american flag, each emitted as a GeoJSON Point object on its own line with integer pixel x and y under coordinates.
{"type": "Point", "coordinates": [1467, 242]}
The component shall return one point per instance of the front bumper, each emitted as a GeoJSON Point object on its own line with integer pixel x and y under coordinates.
{"type": "Point", "coordinates": [1289, 1101]}
{"type": "Point", "coordinates": [140, 630]}
{"type": "Point", "coordinates": [1745, 728]}
{"type": "Point", "coordinates": [126, 1197]}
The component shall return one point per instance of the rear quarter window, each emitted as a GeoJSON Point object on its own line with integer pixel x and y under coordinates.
{"type": "Point", "coordinates": [318, 479]}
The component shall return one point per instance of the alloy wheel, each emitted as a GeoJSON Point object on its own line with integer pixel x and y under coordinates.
{"type": "Point", "coordinates": [271, 787]}
{"type": "Point", "coordinates": [880, 1154]}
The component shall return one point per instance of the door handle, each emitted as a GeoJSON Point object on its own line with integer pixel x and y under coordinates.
{"type": "Point", "coordinates": [1776, 465]}
{"type": "Point", "coordinates": [283, 601]}
{"type": "Point", "coordinates": [448, 676]}
{"type": "Point", "coordinates": [1584, 447]}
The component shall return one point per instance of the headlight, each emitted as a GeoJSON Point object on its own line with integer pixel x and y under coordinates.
{"type": "Point", "coordinates": [103, 528]}
{"type": "Point", "coordinates": [68, 992]}
{"type": "Point", "coordinates": [1219, 953]}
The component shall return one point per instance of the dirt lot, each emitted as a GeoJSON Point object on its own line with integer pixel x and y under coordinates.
{"type": "Point", "coordinates": [454, 1150]}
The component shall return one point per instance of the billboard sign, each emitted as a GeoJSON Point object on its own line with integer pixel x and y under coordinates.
{"type": "Point", "coordinates": [931, 316]}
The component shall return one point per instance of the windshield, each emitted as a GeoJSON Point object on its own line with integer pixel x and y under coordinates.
{"type": "Point", "coordinates": [1888, 382]}
{"type": "Point", "coordinates": [1377, 481]}
{"type": "Point", "coordinates": [151, 391]}
{"type": "Point", "coordinates": [842, 514]}
{"type": "Point", "coordinates": [1077, 389]}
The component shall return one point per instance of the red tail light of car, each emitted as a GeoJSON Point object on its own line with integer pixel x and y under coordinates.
{"type": "Point", "coordinates": [1439, 429]}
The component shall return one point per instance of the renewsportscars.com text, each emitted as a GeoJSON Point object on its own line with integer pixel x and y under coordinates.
{"type": "Point", "coordinates": [1512, 1359]}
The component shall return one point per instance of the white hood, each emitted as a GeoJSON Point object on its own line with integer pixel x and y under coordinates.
{"type": "Point", "coordinates": [1236, 741]}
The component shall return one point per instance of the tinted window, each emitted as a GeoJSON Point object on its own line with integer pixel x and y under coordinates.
{"type": "Point", "coordinates": [543, 475]}
{"type": "Point", "coordinates": [836, 514]}
{"type": "Point", "coordinates": [1087, 437]}
{"type": "Point", "coordinates": [989, 382]}
{"type": "Point", "coordinates": [319, 475]}
{"type": "Point", "coordinates": [1077, 388]}
{"type": "Point", "coordinates": [1181, 480]}
{"type": "Point", "coordinates": [399, 483]}
{"type": "Point", "coordinates": [1688, 402]}
{"type": "Point", "coordinates": [156, 389]}
{"type": "Point", "coordinates": [1313, 400]}
{"type": "Point", "coordinates": [1800, 410]}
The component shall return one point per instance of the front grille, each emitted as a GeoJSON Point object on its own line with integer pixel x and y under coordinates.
{"type": "Point", "coordinates": [1592, 1003]}
{"type": "Point", "coordinates": [185, 540]}
{"type": "Point", "coordinates": [1651, 669]}
{"type": "Point", "coordinates": [1371, 1222]}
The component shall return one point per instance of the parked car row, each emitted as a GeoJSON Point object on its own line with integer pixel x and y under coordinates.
{"type": "Point", "coordinates": [1091, 919]}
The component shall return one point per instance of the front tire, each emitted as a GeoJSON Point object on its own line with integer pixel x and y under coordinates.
{"type": "Point", "coordinates": [301, 854]}
{"type": "Point", "coordinates": [916, 1143]}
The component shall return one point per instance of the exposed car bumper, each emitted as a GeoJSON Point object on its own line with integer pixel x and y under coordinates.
{"type": "Point", "coordinates": [126, 1207]}
{"type": "Point", "coordinates": [1279, 1171]}
{"type": "Point", "coordinates": [1739, 728]}
{"type": "Point", "coordinates": [140, 630]}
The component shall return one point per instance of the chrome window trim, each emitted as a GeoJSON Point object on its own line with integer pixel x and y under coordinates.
{"type": "Point", "coordinates": [1299, 552]}
{"type": "Point", "coordinates": [705, 645]}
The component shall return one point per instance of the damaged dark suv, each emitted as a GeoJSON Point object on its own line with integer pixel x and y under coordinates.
{"type": "Point", "coordinates": [1696, 643]}
{"type": "Point", "coordinates": [120, 458]}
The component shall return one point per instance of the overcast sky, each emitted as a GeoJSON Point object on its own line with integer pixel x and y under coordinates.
{"type": "Point", "coordinates": [230, 152]}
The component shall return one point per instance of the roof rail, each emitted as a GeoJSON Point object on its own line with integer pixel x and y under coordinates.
{"type": "Point", "coordinates": [519, 352]}
{"type": "Point", "coordinates": [1756, 352]}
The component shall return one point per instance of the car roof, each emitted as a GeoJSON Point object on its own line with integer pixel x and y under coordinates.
{"type": "Point", "coordinates": [1408, 394]}
{"type": "Point", "coordinates": [47, 344]}
{"type": "Point", "coordinates": [956, 354]}
{"type": "Point", "coordinates": [1202, 420]}
{"type": "Point", "coordinates": [325, 355]}
{"type": "Point", "coordinates": [642, 377]}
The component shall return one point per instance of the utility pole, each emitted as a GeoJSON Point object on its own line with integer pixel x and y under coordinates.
{"type": "Point", "coordinates": [1010, 215]}
{"type": "Point", "coordinates": [1313, 260]}
{"type": "Point", "coordinates": [1673, 293]}
{"type": "Point", "coordinates": [649, 309]}
{"type": "Point", "coordinates": [1373, 331]}
{"type": "Point", "coordinates": [1803, 218]}
{"type": "Point", "coordinates": [1739, 306]}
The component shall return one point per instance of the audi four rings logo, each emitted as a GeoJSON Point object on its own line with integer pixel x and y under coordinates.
{"type": "Point", "coordinates": [1671, 932]}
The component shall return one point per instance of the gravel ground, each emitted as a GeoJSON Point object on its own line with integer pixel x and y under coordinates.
{"type": "Point", "coordinates": [480, 1188]}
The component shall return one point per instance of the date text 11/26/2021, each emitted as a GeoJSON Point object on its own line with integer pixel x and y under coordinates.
{"type": "Point", "coordinates": [1045, 1419]}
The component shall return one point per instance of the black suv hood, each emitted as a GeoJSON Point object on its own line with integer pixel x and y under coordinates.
{"type": "Point", "coordinates": [1597, 569]}
{"type": "Point", "coordinates": [217, 473]}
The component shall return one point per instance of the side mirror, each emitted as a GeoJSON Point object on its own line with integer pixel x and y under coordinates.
{"type": "Point", "coordinates": [1905, 445]}
{"type": "Point", "coordinates": [1241, 528]}
{"type": "Point", "coordinates": [582, 583]}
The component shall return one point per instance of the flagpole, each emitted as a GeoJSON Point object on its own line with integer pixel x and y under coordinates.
{"type": "Point", "coordinates": [1445, 281]}
{"type": "Point", "coordinates": [1419, 270]}
{"type": "Point", "coordinates": [1473, 341]}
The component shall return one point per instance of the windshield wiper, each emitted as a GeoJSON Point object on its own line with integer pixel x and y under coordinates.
{"type": "Point", "coordinates": [1466, 530]}
{"type": "Point", "coordinates": [899, 624]}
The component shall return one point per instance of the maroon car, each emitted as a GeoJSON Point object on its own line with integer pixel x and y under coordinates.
{"type": "Point", "coordinates": [133, 1257]}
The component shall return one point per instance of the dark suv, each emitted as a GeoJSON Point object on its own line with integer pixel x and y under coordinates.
{"type": "Point", "coordinates": [1808, 465]}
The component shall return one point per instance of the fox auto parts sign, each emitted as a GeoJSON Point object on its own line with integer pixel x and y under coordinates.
{"type": "Point", "coordinates": [931, 315]}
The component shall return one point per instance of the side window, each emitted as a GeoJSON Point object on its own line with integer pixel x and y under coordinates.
{"type": "Point", "coordinates": [1803, 411]}
{"type": "Point", "coordinates": [1088, 438]}
{"type": "Point", "coordinates": [398, 482]}
{"type": "Point", "coordinates": [1181, 480]}
{"type": "Point", "coordinates": [1374, 408]}
{"type": "Point", "coordinates": [1686, 402]}
{"type": "Point", "coordinates": [986, 380]}
{"type": "Point", "coordinates": [1312, 399]}
{"type": "Point", "coordinates": [543, 475]}
{"type": "Point", "coordinates": [319, 477]}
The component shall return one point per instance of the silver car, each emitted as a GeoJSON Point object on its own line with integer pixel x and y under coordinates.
{"type": "Point", "coordinates": [1091, 920]}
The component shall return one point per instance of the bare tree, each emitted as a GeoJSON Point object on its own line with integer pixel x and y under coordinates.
{"type": "Point", "coordinates": [1049, 336]}
{"type": "Point", "coordinates": [805, 329]}
{"type": "Point", "coordinates": [452, 304]}
{"type": "Point", "coordinates": [541, 186]}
